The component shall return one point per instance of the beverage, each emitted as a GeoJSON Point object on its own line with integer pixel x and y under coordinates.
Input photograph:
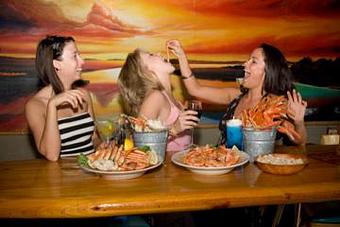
{"type": "Point", "coordinates": [196, 106]}
{"type": "Point", "coordinates": [234, 134]}
{"type": "Point", "coordinates": [105, 128]}
{"type": "Point", "coordinates": [199, 113]}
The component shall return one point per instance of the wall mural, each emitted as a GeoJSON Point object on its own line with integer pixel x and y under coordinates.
{"type": "Point", "coordinates": [217, 36]}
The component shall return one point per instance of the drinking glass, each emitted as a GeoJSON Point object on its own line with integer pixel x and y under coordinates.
{"type": "Point", "coordinates": [234, 134]}
{"type": "Point", "coordinates": [106, 128]}
{"type": "Point", "coordinates": [195, 105]}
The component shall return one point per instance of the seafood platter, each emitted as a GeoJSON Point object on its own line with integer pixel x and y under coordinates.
{"type": "Point", "coordinates": [210, 160]}
{"type": "Point", "coordinates": [282, 164]}
{"type": "Point", "coordinates": [112, 161]}
{"type": "Point", "coordinates": [121, 159]}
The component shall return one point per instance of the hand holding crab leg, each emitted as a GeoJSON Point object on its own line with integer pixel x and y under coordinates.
{"type": "Point", "coordinates": [175, 47]}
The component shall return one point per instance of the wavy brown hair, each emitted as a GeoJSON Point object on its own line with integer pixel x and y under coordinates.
{"type": "Point", "coordinates": [49, 49]}
{"type": "Point", "coordinates": [135, 82]}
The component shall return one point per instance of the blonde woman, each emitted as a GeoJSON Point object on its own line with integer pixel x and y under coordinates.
{"type": "Point", "coordinates": [145, 87]}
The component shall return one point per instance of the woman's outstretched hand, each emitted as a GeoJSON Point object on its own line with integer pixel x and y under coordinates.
{"type": "Point", "coordinates": [296, 106]}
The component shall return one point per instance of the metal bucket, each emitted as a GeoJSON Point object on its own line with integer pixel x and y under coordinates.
{"type": "Point", "coordinates": [258, 142]}
{"type": "Point", "coordinates": [157, 141]}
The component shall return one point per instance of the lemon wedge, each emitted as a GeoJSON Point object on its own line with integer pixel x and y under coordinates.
{"type": "Point", "coordinates": [153, 158]}
{"type": "Point", "coordinates": [128, 144]}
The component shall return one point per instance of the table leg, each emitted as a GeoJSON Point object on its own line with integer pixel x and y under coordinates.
{"type": "Point", "coordinates": [278, 215]}
{"type": "Point", "coordinates": [298, 214]}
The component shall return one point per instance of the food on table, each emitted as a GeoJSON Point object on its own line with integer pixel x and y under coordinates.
{"type": "Point", "coordinates": [114, 157]}
{"type": "Point", "coordinates": [282, 164]}
{"type": "Point", "coordinates": [279, 160]}
{"type": "Point", "coordinates": [144, 125]}
{"type": "Point", "coordinates": [128, 143]}
{"type": "Point", "coordinates": [207, 156]}
{"type": "Point", "coordinates": [271, 111]}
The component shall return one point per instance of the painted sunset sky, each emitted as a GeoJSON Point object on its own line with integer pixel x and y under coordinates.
{"type": "Point", "coordinates": [209, 30]}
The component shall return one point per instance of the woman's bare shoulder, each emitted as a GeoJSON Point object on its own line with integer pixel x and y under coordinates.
{"type": "Point", "coordinates": [38, 101]}
{"type": "Point", "coordinates": [154, 104]}
{"type": "Point", "coordinates": [155, 96]}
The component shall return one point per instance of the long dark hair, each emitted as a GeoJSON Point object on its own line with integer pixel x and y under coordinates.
{"type": "Point", "coordinates": [278, 79]}
{"type": "Point", "coordinates": [49, 49]}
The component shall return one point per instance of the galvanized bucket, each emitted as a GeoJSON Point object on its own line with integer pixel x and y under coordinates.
{"type": "Point", "coordinates": [258, 142]}
{"type": "Point", "coordinates": [157, 141]}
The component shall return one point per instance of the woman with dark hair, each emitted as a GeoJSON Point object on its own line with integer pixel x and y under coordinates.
{"type": "Point", "coordinates": [60, 114]}
{"type": "Point", "coordinates": [266, 73]}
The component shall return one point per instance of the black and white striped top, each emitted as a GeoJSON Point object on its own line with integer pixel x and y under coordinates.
{"type": "Point", "coordinates": [76, 134]}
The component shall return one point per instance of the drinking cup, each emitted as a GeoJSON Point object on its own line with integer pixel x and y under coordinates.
{"type": "Point", "coordinates": [234, 134]}
{"type": "Point", "coordinates": [196, 106]}
{"type": "Point", "coordinates": [106, 127]}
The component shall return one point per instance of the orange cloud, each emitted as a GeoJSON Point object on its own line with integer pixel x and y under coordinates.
{"type": "Point", "coordinates": [46, 18]}
{"type": "Point", "coordinates": [102, 17]}
{"type": "Point", "coordinates": [255, 8]}
{"type": "Point", "coordinates": [292, 46]}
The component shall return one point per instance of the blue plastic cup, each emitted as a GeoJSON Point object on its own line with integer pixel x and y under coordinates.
{"type": "Point", "coordinates": [234, 134]}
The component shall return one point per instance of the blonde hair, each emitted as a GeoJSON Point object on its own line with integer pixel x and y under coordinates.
{"type": "Point", "coordinates": [135, 81]}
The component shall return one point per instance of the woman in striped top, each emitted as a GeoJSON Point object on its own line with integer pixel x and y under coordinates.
{"type": "Point", "coordinates": [60, 115]}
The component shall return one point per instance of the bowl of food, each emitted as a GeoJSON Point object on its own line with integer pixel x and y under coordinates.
{"type": "Point", "coordinates": [282, 164]}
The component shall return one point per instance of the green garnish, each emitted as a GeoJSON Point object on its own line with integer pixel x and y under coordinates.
{"type": "Point", "coordinates": [83, 160]}
{"type": "Point", "coordinates": [144, 148]}
{"type": "Point", "coordinates": [213, 145]}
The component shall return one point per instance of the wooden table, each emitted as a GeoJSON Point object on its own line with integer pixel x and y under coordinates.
{"type": "Point", "coordinates": [42, 189]}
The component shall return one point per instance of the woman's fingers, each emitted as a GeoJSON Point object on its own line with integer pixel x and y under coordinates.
{"type": "Point", "coordinates": [296, 106]}
{"type": "Point", "coordinates": [295, 96]}
{"type": "Point", "coordinates": [298, 97]}
{"type": "Point", "coordinates": [174, 46]}
{"type": "Point", "coordinates": [74, 98]}
{"type": "Point", "coordinates": [304, 103]}
{"type": "Point", "coordinates": [189, 118]}
{"type": "Point", "coordinates": [289, 95]}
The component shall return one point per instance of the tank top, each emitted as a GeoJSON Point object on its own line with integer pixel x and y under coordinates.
{"type": "Point", "coordinates": [76, 134]}
{"type": "Point", "coordinates": [182, 140]}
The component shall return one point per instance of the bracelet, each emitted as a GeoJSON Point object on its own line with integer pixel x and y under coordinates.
{"type": "Point", "coordinates": [187, 77]}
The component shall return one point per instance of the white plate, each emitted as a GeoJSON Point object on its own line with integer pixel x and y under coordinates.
{"type": "Point", "coordinates": [120, 175]}
{"type": "Point", "coordinates": [177, 158]}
